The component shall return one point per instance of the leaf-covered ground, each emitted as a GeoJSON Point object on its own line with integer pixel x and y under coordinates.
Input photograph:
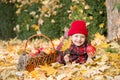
{"type": "Point", "coordinates": [105, 66]}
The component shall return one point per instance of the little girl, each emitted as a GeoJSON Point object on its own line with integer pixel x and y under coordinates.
{"type": "Point", "coordinates": [79, 49]}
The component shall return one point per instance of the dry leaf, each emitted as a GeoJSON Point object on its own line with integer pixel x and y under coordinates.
{"type": "Point", "coordinates": [61, 76]}
{"type": "Point", "coordinates": [117, 77]}
{"type": "Point", "coordinates": [105, 63]}
{"type": "Point", "coordinates": [49, 69]}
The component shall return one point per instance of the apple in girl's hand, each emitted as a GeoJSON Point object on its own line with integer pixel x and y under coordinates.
{"type": "Point", "coordinates": [91, 50]}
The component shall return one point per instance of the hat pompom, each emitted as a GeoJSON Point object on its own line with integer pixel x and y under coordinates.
{"type": "Point", "coordinates": [78, 26]}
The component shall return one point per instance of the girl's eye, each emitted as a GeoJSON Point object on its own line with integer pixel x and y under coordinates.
{"type": "Point", "coordinates": [82, 36]}
{"type": "Point", "coordinates": [79, 36]}
{"type": "Point", "coordinates": [76, 35]}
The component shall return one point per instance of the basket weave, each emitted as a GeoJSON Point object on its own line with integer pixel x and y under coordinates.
{"type": "Point", "coordinates": [35, 61]}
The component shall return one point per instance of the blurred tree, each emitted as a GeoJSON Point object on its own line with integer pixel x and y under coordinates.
{"type": "Point", "coordinates": [7, 20]}
{"type": "Point", "coordinates": [49, 17]}
{"type": "Point", "coordinates": [113, 20]}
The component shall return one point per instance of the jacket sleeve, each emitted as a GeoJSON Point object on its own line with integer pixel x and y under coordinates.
{"type": "Point", "coordinates": [60, 55]}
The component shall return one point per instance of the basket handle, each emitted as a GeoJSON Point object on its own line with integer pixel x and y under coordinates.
{"type": "Point", "coordinates": [38, 35]}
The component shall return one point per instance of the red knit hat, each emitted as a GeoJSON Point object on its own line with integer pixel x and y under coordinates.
{"type": "Point", "coordinates": [78, 26]}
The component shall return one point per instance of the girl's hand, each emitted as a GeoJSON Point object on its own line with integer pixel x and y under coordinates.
{"type": "Point", "coordinates": [66, 58]}
{"type": "Point", "coordinates": [91, 54]}
{"type": "Point", "coordinates": [66, 32]}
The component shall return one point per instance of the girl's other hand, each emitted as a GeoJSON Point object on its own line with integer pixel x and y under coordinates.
{"type": "Point", "coordinates": [66, 58]}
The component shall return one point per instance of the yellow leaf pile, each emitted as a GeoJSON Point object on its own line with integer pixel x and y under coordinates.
{"type": "Point", "coordinates": [49, 69]}
{"type": "Point", "coordinates": [105, 66]}
{"type": "Point", "coordinates": [66, 44]}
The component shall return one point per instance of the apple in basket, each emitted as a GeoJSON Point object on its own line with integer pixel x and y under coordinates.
{"type": "Point", "coordinates": [47, 50]}
{"type": "Point", "coordinates": [36, 51]}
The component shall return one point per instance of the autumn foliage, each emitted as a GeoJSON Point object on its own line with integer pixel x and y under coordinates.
{"type": "Point", "coordinates": [104, 66]}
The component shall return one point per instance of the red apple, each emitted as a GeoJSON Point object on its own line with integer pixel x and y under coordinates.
{"type": "Point", "coordinates": [36, 51]}
{"type": "Point", "coordinates": [90, 49]}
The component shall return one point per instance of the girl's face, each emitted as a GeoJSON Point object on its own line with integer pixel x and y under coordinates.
{"type": "Point", "coordinates": [78, 39]}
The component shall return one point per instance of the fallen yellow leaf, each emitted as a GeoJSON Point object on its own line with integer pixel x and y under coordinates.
{"type": "Point", "coordinates": [49, 69]}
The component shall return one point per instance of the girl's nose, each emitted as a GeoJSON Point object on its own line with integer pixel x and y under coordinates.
{"type": "Point", "coordinates": [79, 38]}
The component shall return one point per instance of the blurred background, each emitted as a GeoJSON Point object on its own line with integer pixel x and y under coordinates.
{"type": "Point", "coordinates": [23, 18]}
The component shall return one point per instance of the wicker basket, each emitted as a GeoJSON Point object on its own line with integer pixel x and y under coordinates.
{"type": "Point", "coordinates": [35, 61]}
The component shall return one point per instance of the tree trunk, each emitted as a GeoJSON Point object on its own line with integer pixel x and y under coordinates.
{"type": "Point", "coordinates": [113, 21]}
